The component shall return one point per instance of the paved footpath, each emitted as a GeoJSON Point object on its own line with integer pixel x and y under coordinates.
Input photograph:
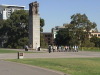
{"type": "Point", "coordinates": [80, 54]}
{"type": "Point", "coordinates": [10, 68]}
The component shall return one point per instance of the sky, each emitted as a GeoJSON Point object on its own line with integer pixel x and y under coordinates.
{"type": "Point", "coordinates": [58, 12]}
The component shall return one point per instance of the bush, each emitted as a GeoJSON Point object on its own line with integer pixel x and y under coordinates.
{"type": "Point", "coordinates": [87, 43]}
{"type": "Point", "coordinates": [90, 48]}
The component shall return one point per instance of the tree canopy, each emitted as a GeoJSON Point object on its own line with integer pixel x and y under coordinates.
{"type": "Point", "coordinates": [62, 37]}
{"type": "Point", "coordinates": [79, 29]}
{"type": "Point", "coordinates": [15, 29]}
{"type": "Point", "coordinates": [96, 41]}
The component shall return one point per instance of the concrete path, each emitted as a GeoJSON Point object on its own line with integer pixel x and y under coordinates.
{"type": "Point", "coordinates": [10, 68]}
{"type": "Point", "coordinates": [80, 54]}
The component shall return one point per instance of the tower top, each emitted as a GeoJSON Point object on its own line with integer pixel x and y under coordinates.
{"type": "Point", "coordinates": [33, 8]}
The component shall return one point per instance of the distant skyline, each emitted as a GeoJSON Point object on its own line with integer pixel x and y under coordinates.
{"type": "Point", "coordinates": [58, 12]}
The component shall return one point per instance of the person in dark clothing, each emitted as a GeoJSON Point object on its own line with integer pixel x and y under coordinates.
{"type": "Point", "coordinates": [49, 48]}
{"type": "Point", "coordinates": [26, 48]}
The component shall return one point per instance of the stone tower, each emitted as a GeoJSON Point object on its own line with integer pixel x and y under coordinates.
{"type": "Point", "coordinates": [34, 25]}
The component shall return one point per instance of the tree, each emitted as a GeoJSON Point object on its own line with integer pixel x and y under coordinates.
{"type": "Point", "coordinates": [62, 37]}
{"type": "Point", "coordinates": [2, 31]}
{"type": "Point", "coordinates": [98, 42]}
{"type": "Point", "coordinates": [43, 44]}
{"type": "Point", "coordinates": [42, 23]}
{"type": "Point", "coordinates": [81, 26]}
{"type": "Point", "coordinates": [87, 43]}
{"type": "Point", "coordinates": [82, 22]}
{"type": "Point", "coordinates": [16, 29]}
{"type": "Point", "coordinates": [95, 40]}
{"type": "Point", "coordinates": [42, 41]}
{"type": "Point", "coordinates": [77, 33]}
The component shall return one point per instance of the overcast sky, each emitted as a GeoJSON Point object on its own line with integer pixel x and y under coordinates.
{"type": "Point", "coordinates": [58, 12]}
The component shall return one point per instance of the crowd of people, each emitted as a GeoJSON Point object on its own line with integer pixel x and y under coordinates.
{"type": "Point", "coordinates": [63, 49]}
{"type": "Point", "coordinates": [58, 48]}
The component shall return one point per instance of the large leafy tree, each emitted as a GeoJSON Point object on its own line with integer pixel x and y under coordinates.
{"type": "Point", "coordinates": [81, 21]}
{"type": "Point", "coordinates": [79, 29]}
{"type": "Point", "coordinates": [81, 26]}
{"type": "Point", "coordinates": [16, 29]}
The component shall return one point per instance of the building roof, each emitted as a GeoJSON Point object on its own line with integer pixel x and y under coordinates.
{"type": "Point", "coordinates": [46, 32]}
{"type": "Point", "coordinates": [4, 5]}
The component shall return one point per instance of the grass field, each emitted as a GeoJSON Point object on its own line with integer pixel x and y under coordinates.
{"type": "Point", "coordinates": [11, 51]}
{"type": "Point", "coordinates": [7, 51]}
{"type": "Point", "coordinates": [72, 66]}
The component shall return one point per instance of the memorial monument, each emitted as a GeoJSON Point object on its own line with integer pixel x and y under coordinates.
{"type": "Point", "coordinates": [34, 25]}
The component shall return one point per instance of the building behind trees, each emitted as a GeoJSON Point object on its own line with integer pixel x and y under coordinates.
{"type": "Point", "coordinates": [7, 10]}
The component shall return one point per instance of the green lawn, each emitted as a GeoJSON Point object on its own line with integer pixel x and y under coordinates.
{"type": "Point", "coordinates": [7, 51]}
{"type": "Point", "coordinates": [11, 51]}
{"type": "Point", "coordinates": [72, 66]}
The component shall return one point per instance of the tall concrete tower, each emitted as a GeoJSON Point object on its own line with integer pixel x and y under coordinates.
{"type": "Point", "coordinates": [34, 25]}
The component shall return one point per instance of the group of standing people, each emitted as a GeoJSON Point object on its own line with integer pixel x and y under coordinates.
{"type": "Point", "coordinates": [58, 48]}
{"type": "Point", "coordinates": [62, 48]}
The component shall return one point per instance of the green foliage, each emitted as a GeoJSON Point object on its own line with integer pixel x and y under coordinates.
{"type": "Point", "coordinates": [79, 30]}
{"type": "Point", "coordinates": [42, 23]}
{"type": "Point", "coordinates": [62, 37]}
{"type": "Point", "coordinates": [81, 21]}
{"type": "Point", "coordinates": [1, 26]}
{"type": "Point", "coordinates": [7, 51]}
{"type": "Point", "coordinates": [87, 43]}
{"type": "Point", "coordinates": [16, 29]}
{"type": "Point", "coordinates": [96, 41]}
{"type": "Point", "coordinates": [12, 51]}
{"type": "Point", "coordinates": [43, 44]}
